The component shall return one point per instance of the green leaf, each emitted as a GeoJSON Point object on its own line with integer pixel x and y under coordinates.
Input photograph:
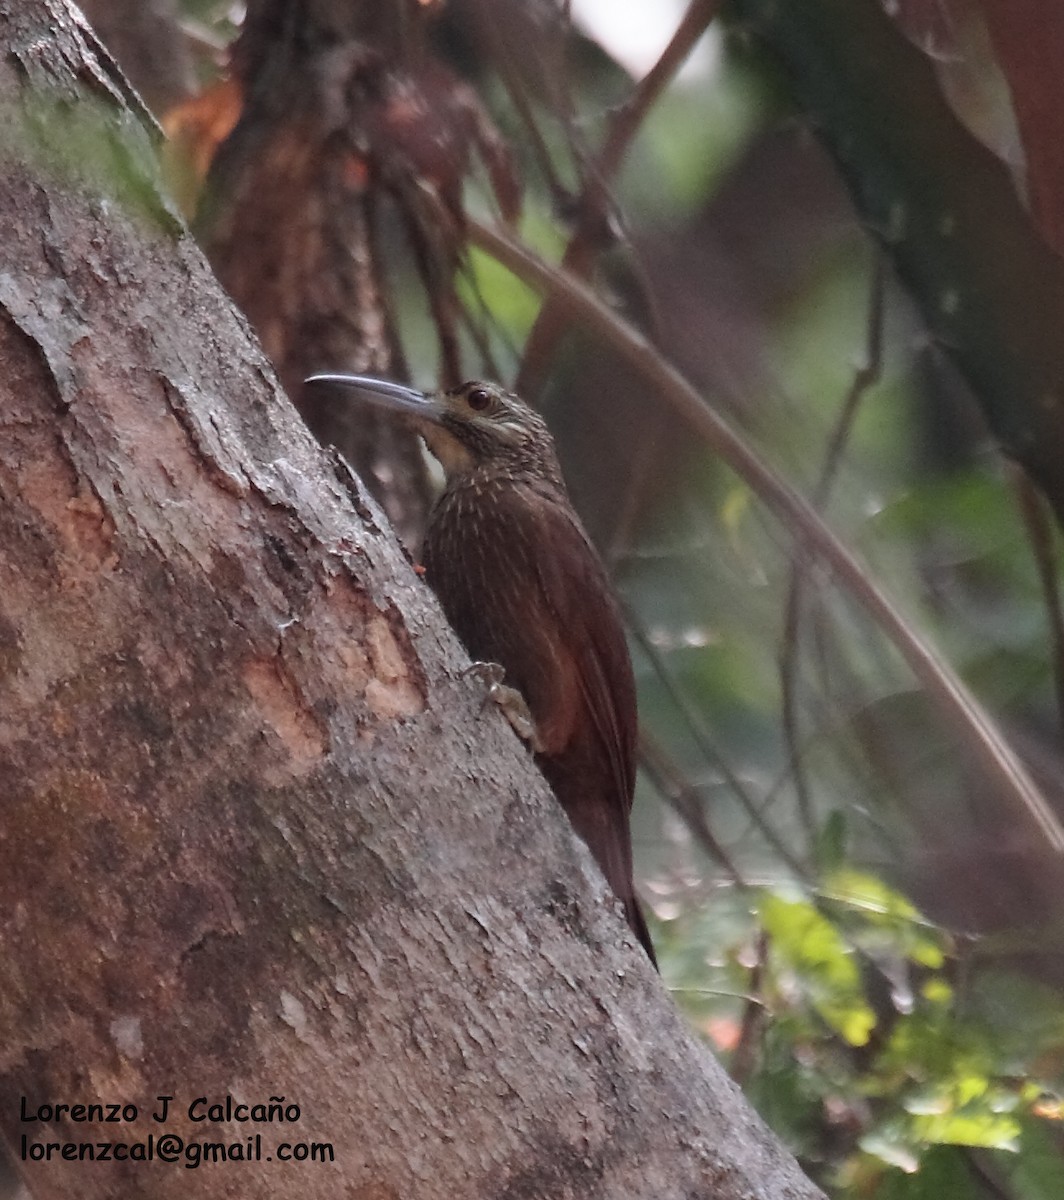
{"type": "Point", "coordinates": [823, 964]}
{"type": "Point", "coordinates": [892, 923]}
{"type": "Point", "coordinates": [983, 1129]}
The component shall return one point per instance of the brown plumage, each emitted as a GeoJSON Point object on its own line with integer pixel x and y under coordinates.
{"type": "Point", "coordinates": [523, 587]}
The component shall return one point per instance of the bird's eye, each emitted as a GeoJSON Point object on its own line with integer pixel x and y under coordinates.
{"type": "Point", "coordinates": [478, 399]}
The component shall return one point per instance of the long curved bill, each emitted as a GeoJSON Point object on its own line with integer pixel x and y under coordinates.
{"type": "Point", "coordinates": [383, 393]}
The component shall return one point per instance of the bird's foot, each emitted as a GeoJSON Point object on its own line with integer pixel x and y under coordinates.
{"type": "Point", "coordinates": [513, 705]}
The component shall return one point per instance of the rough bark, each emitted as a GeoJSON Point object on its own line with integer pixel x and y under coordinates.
{"type": "Point", "coordinates": [259, 837]}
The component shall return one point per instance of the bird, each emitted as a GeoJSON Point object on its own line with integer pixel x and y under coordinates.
{"type": "Point", "coordinates": [523, 587]}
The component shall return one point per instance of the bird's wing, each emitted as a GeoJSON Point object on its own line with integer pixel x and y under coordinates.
{"type": "Point", "coordinates": [523, 587]}
{"type": "Point", "coordinates": [576, 593]}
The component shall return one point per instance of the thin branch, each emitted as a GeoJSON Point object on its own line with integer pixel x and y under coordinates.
{"type": "Point", "coordinates": [755, 1018]}
{"type": "Point", "coordinates": [709, 751]}
{"type": "Point", "coordinates": [676, 790]}
{"type": "Point", "coordinates": [972, 725]}
{"type": "Point", "coordinates": [518, 93]}
{"type": "Point", "coordinates": [594, 204]}
{"type": "Point", "coordinates": [479, 322]}
{"type": "Point", "coordinates": [630, 116]}
{"type": "Point", "coordinates": [865, 377]}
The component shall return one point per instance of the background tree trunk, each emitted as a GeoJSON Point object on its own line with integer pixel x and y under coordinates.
{"type": "Point", "coordinates": [260, 838]}
{"type": "Point", "coordinates": [289, 222]}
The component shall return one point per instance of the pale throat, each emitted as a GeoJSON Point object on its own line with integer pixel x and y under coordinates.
{"type": "Point", "coordinates": [455, 457]}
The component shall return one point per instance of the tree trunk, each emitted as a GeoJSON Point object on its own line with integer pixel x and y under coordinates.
{"type": "Point", "coordinates": [289, 225]}
{"type": "Point", "coordinates": [260, 837]}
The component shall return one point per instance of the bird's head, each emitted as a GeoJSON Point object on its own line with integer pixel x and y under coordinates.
{"type": "Point", "coordinates": [473, 427]}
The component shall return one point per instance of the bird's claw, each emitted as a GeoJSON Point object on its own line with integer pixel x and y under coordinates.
{"type": "Point", "coordinates": [490, 674]}
{"type": "Point", "coordinates": [513, 705]}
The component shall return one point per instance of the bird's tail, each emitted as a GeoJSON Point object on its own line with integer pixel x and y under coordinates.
{"type": "Point", "coordinates": [637, 921]}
